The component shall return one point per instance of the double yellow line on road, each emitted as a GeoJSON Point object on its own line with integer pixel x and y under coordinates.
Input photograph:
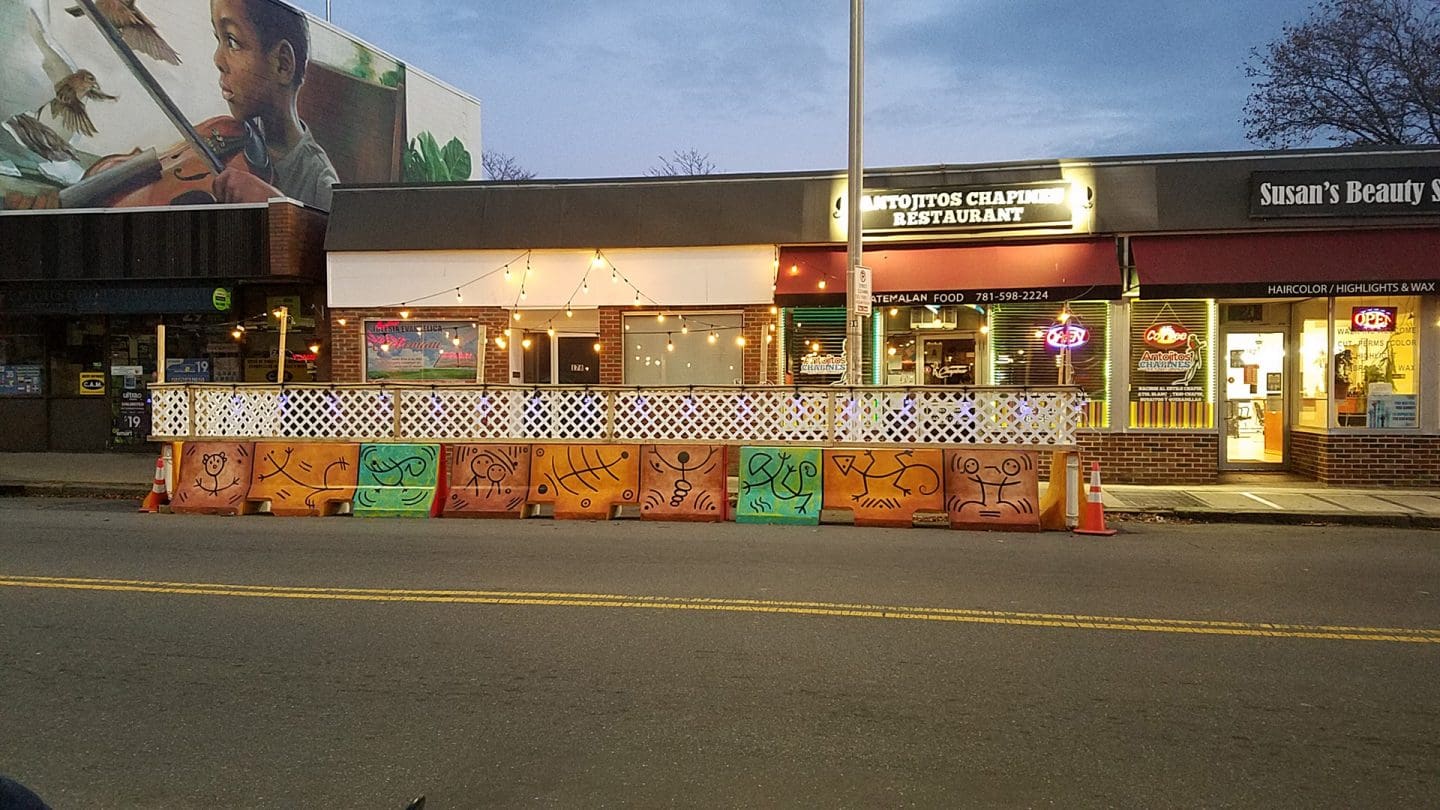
{"type": "Point", "coordinates": [861, 611]}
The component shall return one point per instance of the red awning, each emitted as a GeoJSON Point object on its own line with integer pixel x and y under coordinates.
{"type": "Point", "coordinates": [1288, 265]}
{"type": "Point", "coordinates": [985, 274]}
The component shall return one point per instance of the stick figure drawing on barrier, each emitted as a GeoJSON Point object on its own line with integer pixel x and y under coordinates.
{"type": "Point", "coordinates": [683, 464]}
{"type": "Point", "coordinates": [785, 480]}
{"type": "Point", "coordinates": [213, 465]}
{"type": "Point", "coordinates": [992, 480]}
{"type": "Point", "coordinates": [905, 477]}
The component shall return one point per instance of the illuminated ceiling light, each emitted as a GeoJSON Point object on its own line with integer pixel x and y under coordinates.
{"type": "Point", "coordinates": [404, 314]}
{"type": "Point", "coordinates": [821, 285]}
{"type": "Point", "coordinates": [526, 343]}
{"type": "Point", "coordinates": [637, 298]}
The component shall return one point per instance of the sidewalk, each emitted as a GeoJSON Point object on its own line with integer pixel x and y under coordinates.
{"type": "Point", "coordinates": [1250, 499]}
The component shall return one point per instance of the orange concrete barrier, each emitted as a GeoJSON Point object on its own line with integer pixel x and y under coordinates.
{"type": "Point", "coordinates": [884, 487]}
{"type": "Point", "coordinates": [304, 479]}
{"type": "Point", "coordinates": [585, 481]}
{"type": "Point", "coordinates": [684, 482]}
{"type": "Point", "coordinates": [213, 478]}
{"type": "Point", "coordinates": [488, 480]}
{"type": "Point", "coordinates": [992, 489]}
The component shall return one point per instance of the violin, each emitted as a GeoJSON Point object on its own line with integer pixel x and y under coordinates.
{"type": "Point", "coordinates": [183, 174]}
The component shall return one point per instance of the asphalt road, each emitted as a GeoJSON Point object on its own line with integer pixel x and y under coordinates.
{"type": "Point", "coordinates": [562, 664]}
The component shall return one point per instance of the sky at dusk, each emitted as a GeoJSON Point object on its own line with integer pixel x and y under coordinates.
{"type": "Point", "coordinates": [601, 89]}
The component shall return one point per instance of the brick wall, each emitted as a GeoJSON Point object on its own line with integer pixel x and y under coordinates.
{"type": "Point", "coordinates": [296, 240]}
{"type": "Point", "coordinates": [347, 347]}
{"type": "Point", "coordinates": [1154, 457]}
{"type": "Point", "coordinates": [1366, 459]}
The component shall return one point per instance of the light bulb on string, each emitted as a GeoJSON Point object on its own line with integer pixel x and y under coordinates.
{"type": "Point", "coordinates": [459, 297]}
{"type": "Point", "coordinates": [597, 348]}
{"type": "Point", "coordinates": [550, 331]}
{"type": "Point", "coordinates": [740, 341]}
{"type": "Point", "coordinates": [660, 317]}
{"type": "Point", "coordinates": [774, 310]}
{"type": "Point", "coordinates": [385, 347]}
{"type": "Point", "coordinates": [569, 313]}
{"type": "Point", "coordinates": [516, 315]}
{"type": "Point", "coordinates": [637, 298]}
{"type": "Point", "coordinates": [669, 344]}
{"type": "Point", "coordinates": [237, 334]}
{"type": "Point", "coordinates": [523, 294]}
{"type": "Point", "coordinates": [526, 343]}
{"type": "Point", "coordinates": [507, 331]}
{"type": "Point", "coordinates": [685, 329]}
{"type": "Point", "coordinates": [585, 286]}
{"type": "Point", "coordinates": [342, 322]}
{"type": "Point", "coordinates": [314, 348]}
{"type": "Point", "coordinates": [500, 341]}
{"type": "Point", "coordinates": [598, 261]}
{"type": "Point", "coordinates": [405, 314]}
{"type": "Point", "coordinates": [507, 272]}
{"type": "Point", "coordinates": [614, 277]}
{"type": "Point", "coordinates": [821, 285]}
{"type": "Point", "coordinates": [455, 341]}
{"type": "Point", "coordinates": [713, 337]}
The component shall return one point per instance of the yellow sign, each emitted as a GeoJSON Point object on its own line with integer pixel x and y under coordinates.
{"type": "Point", "coordinates": [92, 383]}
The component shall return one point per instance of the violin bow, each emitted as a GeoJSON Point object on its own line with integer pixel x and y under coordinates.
{"type": "Point", "coordinates": [147, 79]}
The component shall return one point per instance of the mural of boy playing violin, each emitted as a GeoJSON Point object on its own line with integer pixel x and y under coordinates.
{"type": "Point", "coordinates": [261, 50]}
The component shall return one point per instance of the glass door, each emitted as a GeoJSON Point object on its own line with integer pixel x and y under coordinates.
{"type": "Point", "coordinates": [1252, 384]}
{"type": "Point", "coordinates": [559, 359]}
{"type": "Point", "coordinates": [947, 359]}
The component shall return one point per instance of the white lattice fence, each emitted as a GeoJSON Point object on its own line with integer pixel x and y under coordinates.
{"type": "Point", "coordinates": [763, 415]}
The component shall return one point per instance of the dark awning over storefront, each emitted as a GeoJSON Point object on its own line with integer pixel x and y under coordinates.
{"type": "Point", "coordinates": [985, 274]}
{"type": "Point", "coordinates": [1289, 265]}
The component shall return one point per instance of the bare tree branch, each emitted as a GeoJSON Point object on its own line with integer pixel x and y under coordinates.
{"type": "Point", "coordinates": [500, 166]}
{"type": "Point", "coordinates": [683, 163]}
{"type": "Point", "coordinates": [1354, 72]}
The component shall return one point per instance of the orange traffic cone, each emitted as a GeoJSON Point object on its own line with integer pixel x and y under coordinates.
{"type": "Point", "coordinates": [157, 497]}
{"type": "Point", "coordinates": [1092, 514]}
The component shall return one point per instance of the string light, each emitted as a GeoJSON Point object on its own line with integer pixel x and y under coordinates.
{"type": "Point", "coordinates": [713, 337]}
{"type": "Point", "coordinates": [669, 344]}
{"type": "Point", "coordinates": [822, 284]}
{"type": "Point", "coordinates": [405, 314]}
{"type": "Point", "coordinates": [660, 317]}
{"type": "Point", "coordinates": [774, 310]}
{"type": "Point", "coordinates": [550, 331]}
{"type": "Point", "coordinates": [500, 341]}
{"type": "Point", "coordinates": [769, 338]}
{"type": "Point", "coordinates": [385, 347]}
{"type": "Point", "coordinates": [597, 347]}
{"type": "Point", "coordinates": [614, 276]}
{"type": "Point", "coordinates": [740, 341]}
{"type": "Point", "coordinates": [507, 273]}
{"type": "Point", "coordinates": [599, 261]}
{"type": "Point", "coordinates": [455, 341]}
{"type": "Point", "coordinates": [507, 332]}
{"type": "Point", "coordinates": [794, 269]}
{"type": "Point", "coordinates": [894, 311]}
{"type": "Point", "coordinates": [585, 285]}
{"type": "Point", "coordinates": [459, 298]}
{"type": "Point", "coordinates": [314, 348]}
{"type": "Point", "coordinates": [684, 328]}
{"type": "Point", "coordinates": [237, 334]}
{"type": "Point", "coordinates": [516, 316]}
{"type": "Point", "coordinates": [637, 298]}
{"type": "Point", "coordinates": [569, 313]}
{"type": "Point", "coordinates": [526, 343]}
{"type": "Point", "coordinates": [342, 322]}
{"type": "Point", "coordinates": [984, 328]}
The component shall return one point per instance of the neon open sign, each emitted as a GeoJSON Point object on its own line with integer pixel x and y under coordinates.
{"type": "Point", "coordinates": [1067, 336]}
{"type": "Point", "coordinates": [1373, 319]}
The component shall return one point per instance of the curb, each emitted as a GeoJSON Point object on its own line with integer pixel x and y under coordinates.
{"type": "Point", "coordinates": [48, 489]}
{"type": "Point", "coordinates": [1395, 520]}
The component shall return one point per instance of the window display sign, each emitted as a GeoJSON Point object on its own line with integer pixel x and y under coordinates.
{"type": "Point", "coordinates": [1067, 336]}
{"type": "Point", "coordinates": [1392, 411]}
{"type": "Point", "coordinates": [422, 350]}
{"type": "Point", "coordinates": [822, 364]}
{"type": "Point", "coordinates": [1168, 384]}
{"type": "Point", "coordinates": [181, 370]}
{"type": "Point", "coordinates": [1373, 319]}
{"type": "Point", "coordinates": [20, 381]}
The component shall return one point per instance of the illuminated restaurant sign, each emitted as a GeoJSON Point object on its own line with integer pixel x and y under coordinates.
{"type": "Point", "coordinates": [948, 209]}
{"type": "Point", "coordinates": [1345, 193]}
{"type": "Point", "coordinates": [1067, 336]}
{"type": "Point", "coordinates": [1166, 335]}
{"type": "Point", "coordinates": [1373, 319]}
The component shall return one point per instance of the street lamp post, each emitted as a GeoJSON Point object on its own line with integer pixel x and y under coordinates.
{"type": "Point", "coordinates": [855, 182]}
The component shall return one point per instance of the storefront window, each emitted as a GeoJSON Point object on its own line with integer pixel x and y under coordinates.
{"type": "Point", "coordinates": [1029, 344]}
{"type": "Point", "coordinates": [931, 345]}
{"type": "Point", "coordinates": [1313, 316]}
{"type": "Point", "coordinates": [1172, 364]}
{"type": "Point", "coordinates": [406, 350]}
{"type": "Point", "coordinates": [698, 349]}
{"type": "Point", "coordinates": [1375, 362]}
{"type": "Point", "coordinates": [22, 360]}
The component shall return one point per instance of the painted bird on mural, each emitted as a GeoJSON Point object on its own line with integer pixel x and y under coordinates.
{"type": "Point", "coordinates": [137, 30]}
{"type": "Point", "coordinates": [71, 93]}
{"type": "Point", "coordinates": [38, 138]}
